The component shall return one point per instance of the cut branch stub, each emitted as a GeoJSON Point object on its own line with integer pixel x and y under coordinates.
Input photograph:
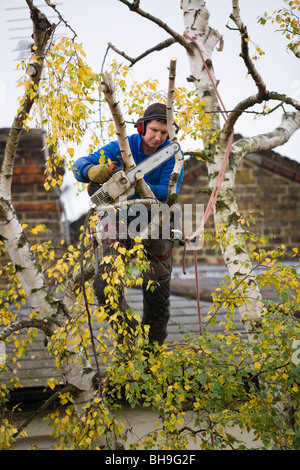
{"type": "Point", "coordinates": [115, 109]}
{"type": "Point", "coordinates": [172, 134]}
{"type": "Point", "coordinates": [108, 90]}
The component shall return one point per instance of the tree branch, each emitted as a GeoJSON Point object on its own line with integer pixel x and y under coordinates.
{"type": "Point", "coordinates": [236, 17]}
{"type": "Point", "coordinates": [290, 123]}
{"type": "Point", "coordinates": [273, 95]}
{"type": "Point", "coordinates": [48, 327]}
{"type": "Point", "coordinates": [238, 111]}
{"type": "Point", "coordinates": [108, 90]}
{"type": "Point", "coordinates": [42, 31]}
{"type": "Point", "coordinates": [178, 37]}
{"type": "Point", "coordinates": [158, 47]}
{"type": "Point", "coordinates": [172, 135]}
{"type": "Point", "coordinates": [263, 94]}
{"type": "Point", "coordinates": [44, 407]}
{"type": "Point", "coordinates": [141, 187]}
{"type": "Point", "coordinates": [251, 101]}
{"type": "Point", "coordinates": [61, 19]}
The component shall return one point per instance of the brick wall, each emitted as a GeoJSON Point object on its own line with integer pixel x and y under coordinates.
{"type": "Point", "coordinates": [265, 182]}
{"type": "Point", "coordinates": [33, 204]}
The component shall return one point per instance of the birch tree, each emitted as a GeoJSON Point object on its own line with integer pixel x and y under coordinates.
{"type": "Point", "coordinates": [200, 40]}
{"type": "Point", "coordinates": [60, 297]}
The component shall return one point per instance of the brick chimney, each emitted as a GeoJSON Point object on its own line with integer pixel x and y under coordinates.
{"type": "Point", "coordinates": [33, 204]}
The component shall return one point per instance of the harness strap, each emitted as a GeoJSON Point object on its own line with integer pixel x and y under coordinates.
{"type": "Point", "coordinates": [157, 259]}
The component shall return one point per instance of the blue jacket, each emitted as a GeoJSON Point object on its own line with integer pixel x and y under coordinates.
{"type": "Point", "coordinates": [157, 179]}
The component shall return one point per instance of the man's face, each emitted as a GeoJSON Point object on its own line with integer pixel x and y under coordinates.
{"type": "Point", "coordinates": [156, 134]}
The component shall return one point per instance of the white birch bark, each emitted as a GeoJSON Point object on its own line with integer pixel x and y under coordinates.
{"type": "Point", "coordinates": [108, 89]}
{"type": "Point", "coordinates": [196, 22]}
{"type": "Point", "coordinates": [142, 187]}
{"type": "Point", "coordinates": [290, 123]}
{"type": "Point", "coordinates": [172, 195]}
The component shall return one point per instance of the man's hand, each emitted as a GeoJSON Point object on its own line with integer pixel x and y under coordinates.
{"type": "Point", "coordinates": [99, 173]}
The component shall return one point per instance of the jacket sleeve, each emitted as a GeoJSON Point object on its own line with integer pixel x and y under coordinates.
{"type": "Point", "coordinates": [160, 184]}
{"type": "Point", "coordinates": [83, 164]}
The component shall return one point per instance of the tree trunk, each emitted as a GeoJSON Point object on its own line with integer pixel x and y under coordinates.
{"type": "Point", "coordinates": [236, 257]}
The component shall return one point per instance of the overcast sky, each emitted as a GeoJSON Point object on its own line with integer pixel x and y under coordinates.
{"type": "Point", "coordinates": [98, 22]}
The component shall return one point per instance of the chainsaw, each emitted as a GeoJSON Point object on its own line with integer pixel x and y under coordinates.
{"type": "Point", "coordinates": [121, 183]}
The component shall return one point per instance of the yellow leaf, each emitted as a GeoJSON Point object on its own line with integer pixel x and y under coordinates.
{"type": "Point", "coordinates": [37, 229]}
{"type": "Point", "coordinates": [51, 383]}
{"type": "Point", "coordinates": [122, 250]}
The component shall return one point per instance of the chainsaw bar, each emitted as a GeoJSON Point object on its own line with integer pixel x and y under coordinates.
{"type": "Point", "coordinates": [154, 160]}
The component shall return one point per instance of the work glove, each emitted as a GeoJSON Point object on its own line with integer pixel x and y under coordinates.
{"type": "Point", "coordinates": [99, 173]}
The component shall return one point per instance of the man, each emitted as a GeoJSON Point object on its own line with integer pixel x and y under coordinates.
{"type": "Point", "coordinates": [152, 136]}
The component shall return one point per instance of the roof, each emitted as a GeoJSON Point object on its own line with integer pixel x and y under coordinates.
{"type": "Point", "coordinates": [274, 162]}
{"type": "Point", "coordinates": [36, 366]}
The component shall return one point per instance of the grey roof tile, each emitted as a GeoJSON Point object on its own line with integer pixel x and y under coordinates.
{"type": "Point", "coordinates": [37, 365]}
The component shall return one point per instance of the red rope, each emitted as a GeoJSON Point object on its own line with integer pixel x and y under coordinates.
{"type": "Point", "coordinates": [218, 182]}
{"type": "Point", "coordinates": [215, 191]}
